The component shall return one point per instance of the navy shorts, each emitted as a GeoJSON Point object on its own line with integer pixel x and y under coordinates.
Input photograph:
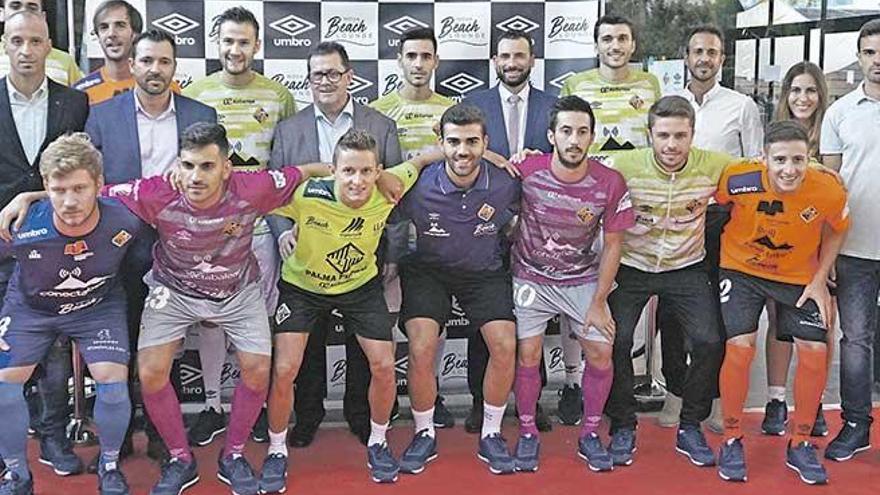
{"type": "Point", "coordinates": [101, 332]}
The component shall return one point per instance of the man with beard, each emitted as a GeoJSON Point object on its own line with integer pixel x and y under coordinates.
{"type": "Point", "coordinates": [567, 201]}
{"type": "Point", "coordinates": [517, 114]}
{"type": "Point", "coordinates": [620, 95]}
{"type": "Point", "coordinates": [249, 105]}
{"type": "Point", "coordinates": [460, 207]}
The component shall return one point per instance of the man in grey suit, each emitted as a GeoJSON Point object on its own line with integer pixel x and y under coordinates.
{"type": "Point", "coordinates": [308, 137]}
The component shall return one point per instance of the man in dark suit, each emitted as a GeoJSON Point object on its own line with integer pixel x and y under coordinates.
{"type": "Point", "coordinates": [138, 133]}
{"type": "Point", "coordinates": [35, 110]}
{"type": "Point", "coordinates": [517, 118]}
{"type": "Point", "coordinates": [307, 137]}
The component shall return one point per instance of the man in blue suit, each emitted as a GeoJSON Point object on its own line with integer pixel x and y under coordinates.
{"type": "Point", "coordinates": [517, 118]}
{"type": "Point", "coordinates": [138, 133]}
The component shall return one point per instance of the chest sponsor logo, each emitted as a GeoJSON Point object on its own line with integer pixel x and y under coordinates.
{"type": "Point", "coordinates": [486, 211]}
{"type": "Point", "coordinates": [72, 286]}
{"type": "Point", "coordinates": [317, 223]}
{"type": "Point", "coordinates": [771, 208]}
{"type": "Point", "coordinates": [585, 214]}
{"type": "Point", "coordinates": [809, 214]}
{"type": "Point", "coordinates": [485, 229]}
{"type": "Point", "coordinates": [434, 228]}
{"type": "Point", "coordinates": [205, 266]}
{"type": "Point", "coordinates": [78, 249]}
{"type": "Point", "coordinates": [345, 258]}
{"type": "Point", "coordinates": [121, 238]}
{"type": "Point", "coordinates": [768, 243]}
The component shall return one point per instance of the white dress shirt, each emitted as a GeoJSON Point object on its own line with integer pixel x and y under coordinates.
{"type": "Point", "coordinates": [30, 116]}
{"type": "Point", "coordinates": [330, 132]}
{"type": "Point", "coordinates": [506, 108]}
{"type": "Point", "coordinates": [158, 139]}
{"type": "Point", "coordinates": [727, 121]}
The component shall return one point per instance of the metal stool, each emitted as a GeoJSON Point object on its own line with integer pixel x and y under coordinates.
{"type": "Point", "coordinates": [649, 392]}
{"type": "Point", "coordinates": [78, 429]}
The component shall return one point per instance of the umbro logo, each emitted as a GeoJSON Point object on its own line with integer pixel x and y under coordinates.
{"type": "Point", "coordinates": [356, 225]}
{"type": "Point", "coordinates": [189, 374]}
{"type": "Point", "coordinates": [176, 23]}
{"type": "Point", "coordinates": [403, 24]}
{"type": "Point", "coordinates": [462, 83]}
{"type": "Point", "coordinates": [518, 23]}
{"type": "Point", "coordinates": [358, 84]}
{"type": "Point", "coordinates": [559, 80]}
{"type": "Point", "coordinates": [292, 25]}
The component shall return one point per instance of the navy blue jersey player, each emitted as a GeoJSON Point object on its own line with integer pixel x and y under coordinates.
{"type": "Point", "coordinates": [68, 251]}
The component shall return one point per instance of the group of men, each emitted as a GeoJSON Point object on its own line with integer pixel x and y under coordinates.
{"type": "Point", "coordinates": [612, 205]}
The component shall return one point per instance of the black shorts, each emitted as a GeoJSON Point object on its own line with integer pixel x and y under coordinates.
{"type": "Point", "coordinates": [363, 310]}
{"type": "Point", "coordinates": [427, 293]}
{"type": "Point", "coordinates": [742, 300]}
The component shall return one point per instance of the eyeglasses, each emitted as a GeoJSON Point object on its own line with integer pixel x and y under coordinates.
{"type": "Point", "coordinates": [333, 75]}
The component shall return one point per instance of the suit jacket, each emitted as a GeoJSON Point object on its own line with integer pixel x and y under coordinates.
{"type": "Point", "coordinates": [296, 143]}
{"type": "Point", "coordinates": [537, 119]}
{"type": "Point", "coordinates": [68, 111]}
{"type": "Point", "coordinates": [112, 126]}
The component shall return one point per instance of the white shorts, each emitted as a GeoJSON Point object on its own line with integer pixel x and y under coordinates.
{"type": "Point", "coordinates": [536, 304]}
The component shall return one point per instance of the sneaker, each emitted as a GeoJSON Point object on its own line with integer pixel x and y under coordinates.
{"type": "Point", "coordinates": [493, 451]}
{"type": "Point", "coordinates": [571, 405]}
{"type": "Point", "coordinates": [208, 425]}
{"type": "Point", "coordinates": [668, 417]}
{"type": "Point", "coordinates": [273, 478]}
{"type": "Point", "coordinates": [474, 422]}
{"type": "Point", "coordinates": [852, 439]}
{"type": "Point", "coordinates": [260, 432]}
{"type": "Point", "coordinates": [525, 458]}
{"type": "Point", "coordinates": [590, 449]}
{"type": "Point", "coordinates": [820, 427]}
{"type": "Point", "coordinates": [420, 451]}
{"type": "Point", "coordinates": [235, 471]}
{"type": "Point", "coordinates": [802, 458]}
{"type": "Point", "coordinates": [12, 484]}
{"type": "Point", "coordinates": [383, 466]}
{"type": "Point", "coordinates": [622, 446]}
{"type": "Point", "coordinates": [176, 477]}
{"type": "Point", "coordinates": [58, 453]}
{"type": "Point", "coordinates": [691, 442]}
{"type": "Point", "coordinates": [124, 453]}
{"type": "Point", "coordinates": [111, 481]}
{"type": "Point", "coordinates": [775, 418]}
{"type": "Point", "coordinates": [442, 417]}
{"type": "Point", "coordinates": [732, 461]}
{"type": "Point", "coordinates": [302, 434]}
{"type": "Point", "coordinates": [542, 420]}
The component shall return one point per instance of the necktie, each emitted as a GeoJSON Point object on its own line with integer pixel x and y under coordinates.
{"type": "Point", "coordinates": [513, 123]}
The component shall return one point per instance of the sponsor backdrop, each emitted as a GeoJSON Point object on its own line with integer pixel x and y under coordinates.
{"type": "Point", "coordinates": [370, 30]}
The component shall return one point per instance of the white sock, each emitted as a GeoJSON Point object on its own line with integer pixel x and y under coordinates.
{"type": "Point", "coordinates": [377, 433]}
{"type": "Point", "coordinates": [776, 393]}
{"type": "Point", "coordinates": [424, 420]}
{"type": "Point", "coordinates": [278, 442]}
{"type": "Point", "coordinates": [572, 357]}
{"type": "Point", "coordinates": [492, 416]}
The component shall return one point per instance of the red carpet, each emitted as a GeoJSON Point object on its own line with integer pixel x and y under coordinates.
{"type": "Point", "coordinates": [336, 464]}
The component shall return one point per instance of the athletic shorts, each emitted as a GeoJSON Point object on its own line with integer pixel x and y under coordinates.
{"type": "Point", "coordinates": [428, 290]}
{"type": "Point", "coordinates": [742, 300]}
{"type": "Point", "coordinates": [364, 310]}
{"type": "Point", "coordinates": [101, 332]}
{"type": "Point", "coordinates": [265, 249]}
{"type": "Point", "coordinates": [536, 304]}
{"type": "Point", "coordinates": [168, 314]}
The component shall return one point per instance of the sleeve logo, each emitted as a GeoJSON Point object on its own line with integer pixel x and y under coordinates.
{"type": "Point", "coordinates": [121, 238]}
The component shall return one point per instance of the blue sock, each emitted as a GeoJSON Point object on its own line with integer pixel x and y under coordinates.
{"type": "Point", "coordinates": [13, 434]}
{"type": "Point", "coordinates": [112, 412]}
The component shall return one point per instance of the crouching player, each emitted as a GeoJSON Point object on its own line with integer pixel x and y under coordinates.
{"type": "Point", "coordinates": [68, 251]}
{"type": "Point", "coordinates": [786, 228]}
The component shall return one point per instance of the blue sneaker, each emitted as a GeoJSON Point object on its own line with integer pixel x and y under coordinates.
{"type": "Point", "coordinates": [235, 471]}
{"type": "Point", "coordinates": [775, 418]}
{"type": "Point", "coordinates": [732, 461]}
{"type": "Point", "coordinates": [383, 466]}
{"type": "Point", "coordinates": [111, 481]}
{"type": "Point", "coordinates": [802, 458]}
{"type": "Point", "coordinates": [58, 453]}
{"type": "Point", "coordinates": [176, 477]}
{"type": "Point", "coordinates": [420, 451]}
{"type": "Point", "coordinates": [273, 478]}
{"type": "Point", "coordinates": [493, 451]}
{"type": "Point", "coordinates": [622, 446]}
{"type": "Point", "coordinates": [852, 439]}
{"type": "Point", "coordinates": [590, 449]}
{"type": "Point", "coordinates": [12, 484]}
{"type": "Point", "coordinates": [692, 443]}
{"type": "Point", "coordinates": [526, 456]}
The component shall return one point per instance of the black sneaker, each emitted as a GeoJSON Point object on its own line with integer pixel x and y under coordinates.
{"type": "Point", "coordinates": [57, 452]}
{"type": "Point", "coordinates": [571, 405]}
{"type": "Point", "coordinates": [442, 417]}
{"type": "Point", "coordinates": [260, 433]}
{"type": "Point", "coordinates": [542, 420]}
{"type": "Point", "coordinates": [474, 422]}
{"type": "Point", "coordinates": [207, 426]}
{"type": "Point", "coordinates": [852, 439]}
{"type": "Point", "coordinates": [775, 418]}
{"type": "Point", "coordinates": [12, 484]}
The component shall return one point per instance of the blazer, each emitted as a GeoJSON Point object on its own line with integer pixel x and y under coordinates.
{"type": "Point", "coordinates": [113, 128]}
{"type": "Point", "coordinates": [537, 119]}
{"type": "Point", "coordinates": [68, 111]}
